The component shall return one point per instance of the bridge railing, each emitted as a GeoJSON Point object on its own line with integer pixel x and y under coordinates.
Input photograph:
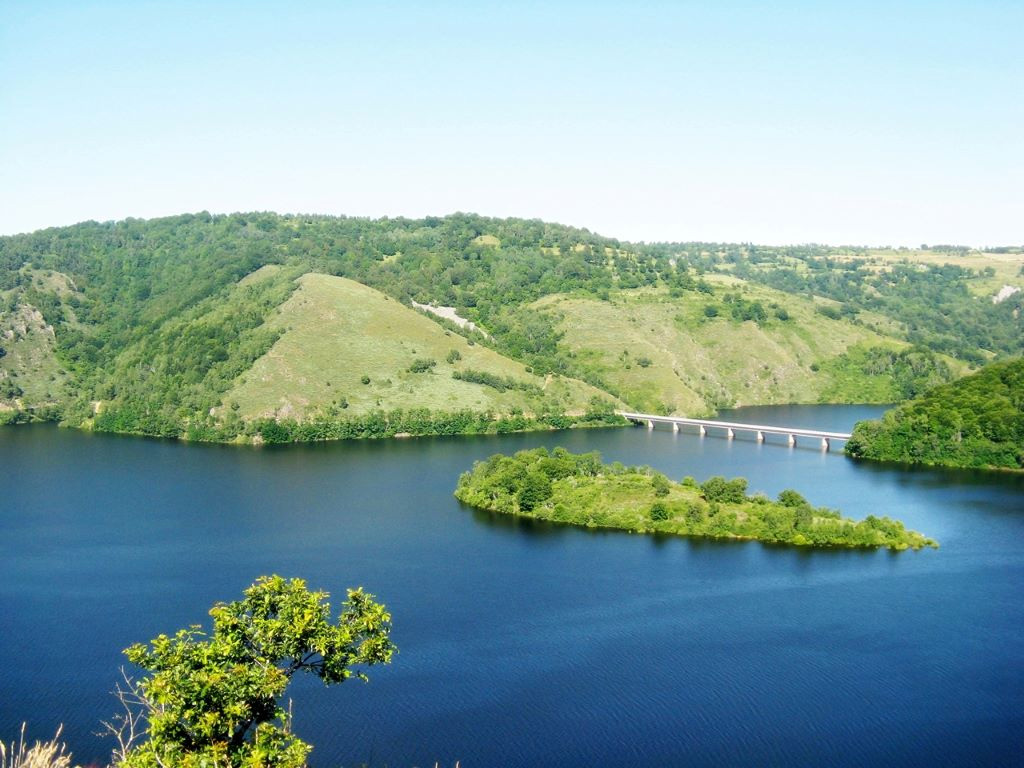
{"type": "Point", "coordinates": [731, 427]}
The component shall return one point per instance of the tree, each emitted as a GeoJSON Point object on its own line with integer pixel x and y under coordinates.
{"type": "Point", "coordinates": [536, 489]}
{"type": "Point", "coordinates": [790, 498]}
{"type": "Point", "coordinates": [659, 512]}
{"type": "Point", "coordinates": [660, 484]}
{"type": "Point", "coordinates": [717, 488]}
{"type": "Point", "coordinates": [213, 699]}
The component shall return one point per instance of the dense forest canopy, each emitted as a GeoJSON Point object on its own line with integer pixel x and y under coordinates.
{"type": "Point", "coordinates": [155, 318]}
{"type": "Point", "coordinates": [977, 421]}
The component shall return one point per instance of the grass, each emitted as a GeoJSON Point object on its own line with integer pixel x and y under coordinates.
{"type": "Point", "coordinates": [547, 486]}
{"type": "Point", "coordinates": [338, 332]}
{"type": "Point", "coordinates": [1007, 266]}
{"type": "Point", "coordinates": [30, 362]}
{"type": "Point", "coordinates": [41, 754]}
{"type": "Point", "coordinates": [265, 272]}
{"type": "Point", "coordinates": [699, 364]}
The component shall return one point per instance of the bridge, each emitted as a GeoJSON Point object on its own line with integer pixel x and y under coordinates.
{"type": "Point", "coordinates": [731, 428]}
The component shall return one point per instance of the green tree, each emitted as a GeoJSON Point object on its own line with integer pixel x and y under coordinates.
{"type": "Point", "coordinates": [717, 488]}
{"type": "Point", "coordinates": [659, 512]}
{"type": "Point", "coordinates": [660, 484]}
{"type": "Point", "coordinates": [790, 498]}
{"type": "Point", "coordinates": [213, 699]}
{"type": "Point", "coordinates": [422, 365]}
{"type": "Point", "coordinates": [536, 489]}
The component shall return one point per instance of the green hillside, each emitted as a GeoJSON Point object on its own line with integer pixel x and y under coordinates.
{"type": "Point", "coordinates": [977, 421]}
{"type": "Point", "coordinates": [336, 333]}
{"type": "Point", "coordinates": [738, 344]}
{"type": "Point", "coordinates": [201, 325]}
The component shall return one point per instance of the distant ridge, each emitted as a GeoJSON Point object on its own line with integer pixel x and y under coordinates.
{"type": "Point", "coordinates": [169, 326]}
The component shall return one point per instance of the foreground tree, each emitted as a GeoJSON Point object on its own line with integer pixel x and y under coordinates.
{"type": "Point", "coordinates": [214, 699]}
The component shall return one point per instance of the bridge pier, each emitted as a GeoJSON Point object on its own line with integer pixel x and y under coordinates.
{"type": "Point", "coordinates": [730, 429]}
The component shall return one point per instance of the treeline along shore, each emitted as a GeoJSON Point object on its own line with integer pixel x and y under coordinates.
{"type": "Point", "coordinates": [580, 489]}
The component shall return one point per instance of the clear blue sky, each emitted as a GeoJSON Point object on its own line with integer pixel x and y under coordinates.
{"type": "Point", "coordinates": [861, 122]}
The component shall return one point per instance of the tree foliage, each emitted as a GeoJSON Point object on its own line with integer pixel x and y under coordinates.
{"type": "Point", "coordinates": [214, 699]}
{"type": "Point", "coordinates": [157, 322]}
{"type": "Point", "coordinates": [582, 490]}
{"type": "Point", "coordinates": [977, 421]}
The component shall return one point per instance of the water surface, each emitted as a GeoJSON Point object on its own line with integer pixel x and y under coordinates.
{"type": "Point", "coordinates": [526, 643]}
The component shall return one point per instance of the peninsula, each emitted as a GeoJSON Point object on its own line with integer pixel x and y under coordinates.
{"type": "Point", "coordinates": [581, 490]}
{"type": "Point", "coordinates": [976, 422]}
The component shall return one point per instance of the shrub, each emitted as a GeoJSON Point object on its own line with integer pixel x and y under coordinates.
{"type": "Point", "coordinates": [660, 484]}
{"type": "Point", "coordinates": [659, 512]}
{"type": "Point", "coordinates": [422, 365]}
{"type": "Point", "coordinates": [694, 513]}
{"type": "Point", "coordinates": [790, 498]}
{"type": "Point", "coordinates": [717, 488]}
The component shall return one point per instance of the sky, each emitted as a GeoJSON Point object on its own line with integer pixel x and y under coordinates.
{"type": "Point", "coordinates": [871, 123]}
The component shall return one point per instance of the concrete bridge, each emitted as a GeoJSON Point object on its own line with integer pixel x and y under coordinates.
{"type": "Point", "coordinates": [731, 428]}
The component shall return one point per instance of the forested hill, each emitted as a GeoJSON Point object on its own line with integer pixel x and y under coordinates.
{"type": "Point", "coordinates": [977, 421]}
{"type": "Point", "coordinates": [155, 326]}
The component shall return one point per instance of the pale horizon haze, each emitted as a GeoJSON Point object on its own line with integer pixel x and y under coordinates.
{"type": "Point", "coordinates": [837, 123]}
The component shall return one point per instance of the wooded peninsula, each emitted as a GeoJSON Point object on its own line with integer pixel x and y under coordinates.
{"type": "Point", "coordinates": [976, 422]}
{"type": "Point", "coordinates": [580, 489]}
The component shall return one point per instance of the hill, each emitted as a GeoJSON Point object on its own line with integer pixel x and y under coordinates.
{"type": "Point", "coordinates": [738, 343]}
{"type": "Point", "coordinates": [343, 343]}
{"type": "Point", "coordinates": [977, 421]}
{"type": "Point", "coordinates": [154, 327]}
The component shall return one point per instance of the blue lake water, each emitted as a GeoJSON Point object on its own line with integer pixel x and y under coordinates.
{"type": "Point", "coordinates": [530, 644]}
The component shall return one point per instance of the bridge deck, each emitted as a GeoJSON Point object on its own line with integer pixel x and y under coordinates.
{"type": "Point", "coordinates": [771, 430]}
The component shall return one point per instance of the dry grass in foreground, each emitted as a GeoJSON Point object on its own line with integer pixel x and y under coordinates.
{"type": "Point", "coordinates": [42, 754]}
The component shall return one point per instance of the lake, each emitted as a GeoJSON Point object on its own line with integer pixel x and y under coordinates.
{"type": "Point", "coordinates": [525, 643]}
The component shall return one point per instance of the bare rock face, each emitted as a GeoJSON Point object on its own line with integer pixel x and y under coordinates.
{"type": "Point", "coordinates": [1004, 293]}
{"type": "Point", "coordinates": [28, 367]}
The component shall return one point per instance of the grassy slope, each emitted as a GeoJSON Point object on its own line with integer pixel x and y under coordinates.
{"type": "Point", "coordinates": [1007, 266]}
{"type": "Point", "coordinates": [338, 331]}
{"type": "Point", "coordinates": [700, 363]}
{"type": "Point", "coordinates": [29, 342]}
{"type": "Point", "coordinates": [30, 361]}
